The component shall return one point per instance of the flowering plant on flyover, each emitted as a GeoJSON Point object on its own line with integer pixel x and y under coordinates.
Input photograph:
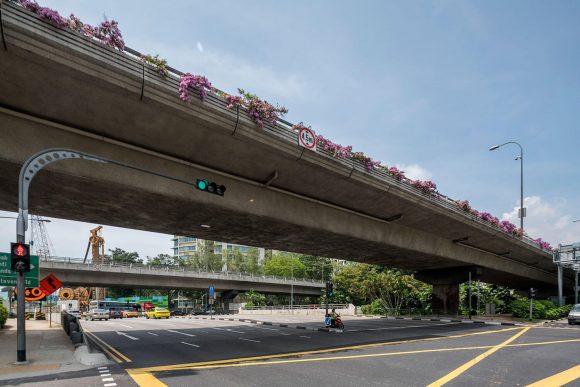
{"type": "Point", "coordinates": [427, 187]}
{"type": "Point", "coordinates": [260, 111]}
{"type": "Point", "coordinates": [107, 32]}
{"type": "Point", "coordinates": [198, 82]}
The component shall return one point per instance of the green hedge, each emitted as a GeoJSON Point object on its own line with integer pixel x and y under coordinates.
{"type": "Point", "coordinates": [542, 309]}
{"type": "Point", "coordinates": [3, 316]}
{"type": "Point", "coordinates": [373, 308]}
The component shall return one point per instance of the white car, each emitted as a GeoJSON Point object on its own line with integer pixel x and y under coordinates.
{"type": "Point", "coordinates": [97, 314]}
{"type": "Point", "coordinates": [76, 313]}
{"type": "Point", "coordinates": [574, 316]}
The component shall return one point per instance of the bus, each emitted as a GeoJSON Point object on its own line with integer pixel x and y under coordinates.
{"type": "Point", "coordinates": [107, 305]}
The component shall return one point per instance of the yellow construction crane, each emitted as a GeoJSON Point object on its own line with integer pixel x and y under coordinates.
{"type": "Point", "coordinates": [96, 243]}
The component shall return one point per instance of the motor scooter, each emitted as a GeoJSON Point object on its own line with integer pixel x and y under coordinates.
{"type": "Point", "coordinates": [337, 323]}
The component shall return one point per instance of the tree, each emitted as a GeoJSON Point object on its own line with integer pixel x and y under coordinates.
{"type": "Point", "coordinates": [234, 261]}
{"type": "Point", "coordinates": [255, 299]}
{"type": "Point", "coordinates": [165, 260]}
{"type": "Point", "coordinates": [252, 262]}
{"type": "Point", "coordinates": [392, 289]}
{"type": "Point", "coordinates": [317, 267]}
{"type": "Point", "coordinates": [283, 266]}
{"type": "Point", "coordinates": [123, 257]}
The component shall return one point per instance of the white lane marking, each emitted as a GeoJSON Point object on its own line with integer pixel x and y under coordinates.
{"type": "Point", "coordinates": [399, 327]}
{"type": "Point", "coordinates": [108, 380]}
{"type": "Point", "coordinates": [255, 341]}
{"type": "Point", "coordinates": [181, 333]}
{"type": "Point", "coordinates": [105, 374]}
{"type": "Point", "coordinates": [193, 345]}
{"type": "Point", "coordinates": [103, 368]}
{"type": "Point", "coordinates": [109, 384]}
{"type": "Point", "coordinates": [285, 334]}
{"type": "Point", "coordinates": [306, 337]}
{"type": "Point", "coordinates": [104, 371]}
{"type": "Point", "coordinates": [126, 326]}
{"type": "Point", "coordinates": [154, 334]}
{"type": "Point", "coordinates": [270, 329]}
{"type": "Point", "coordinates": [231, 330]}
{"type": "Point", "coordinates": [126, 335]}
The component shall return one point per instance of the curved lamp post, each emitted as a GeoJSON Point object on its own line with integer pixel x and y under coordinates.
{"type": "Point", "coordinates": [521, 158]}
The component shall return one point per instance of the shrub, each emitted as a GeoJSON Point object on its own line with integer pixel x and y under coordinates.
{"type": "Point", "coordinates": [373, 308]}
{"type": "Point", "coordinates": [3, 316]}
{"type": "Point", "coordinates": [543, 309]}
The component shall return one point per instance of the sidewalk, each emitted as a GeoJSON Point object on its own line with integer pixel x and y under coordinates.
{"type": "Point", "coordinates": [48, 350]}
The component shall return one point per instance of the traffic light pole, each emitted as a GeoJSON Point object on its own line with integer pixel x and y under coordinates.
{"type": "Point", "coordinates": [29, 169]}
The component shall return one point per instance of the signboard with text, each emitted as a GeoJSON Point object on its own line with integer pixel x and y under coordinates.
{"type": "Point", "coordinates": [307, 138]}
{"type": "Point", "coordinates": [8, 277]}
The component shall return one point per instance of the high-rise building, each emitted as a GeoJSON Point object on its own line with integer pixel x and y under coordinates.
{"type": "Point", "coordinates": [186, 246]}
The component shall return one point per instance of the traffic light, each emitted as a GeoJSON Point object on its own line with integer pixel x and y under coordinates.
{"type": "Point", "coordinates": [19, 257]}
{"type": "Point", "coordinates": [211, 187]}
{"type": "Point", "coordinates": [329, 288]}
{"type": "Point", "coordinates": [532, 292]}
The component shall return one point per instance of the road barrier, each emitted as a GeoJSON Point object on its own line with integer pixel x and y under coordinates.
{"type": "Point", "coordinates": [72, 327]}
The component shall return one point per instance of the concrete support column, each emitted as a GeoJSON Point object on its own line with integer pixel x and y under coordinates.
{"type": "Point", "coordinates": [445, 299]}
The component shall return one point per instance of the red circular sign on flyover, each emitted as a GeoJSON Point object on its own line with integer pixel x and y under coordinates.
{"type": "Point", "coordinates": [307, 138]}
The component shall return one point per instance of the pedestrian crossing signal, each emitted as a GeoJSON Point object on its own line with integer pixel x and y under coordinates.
{"type": "Point", "coordinates": [20, 257]}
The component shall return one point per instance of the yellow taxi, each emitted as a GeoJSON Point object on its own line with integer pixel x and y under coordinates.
{"type": "Point", "coordinates": [157, 313]}
{"type": "Point", "coordinates": [128, 313]}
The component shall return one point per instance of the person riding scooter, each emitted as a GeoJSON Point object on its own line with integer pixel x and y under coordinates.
{"type": "Point", "coordinates": [335, 320]}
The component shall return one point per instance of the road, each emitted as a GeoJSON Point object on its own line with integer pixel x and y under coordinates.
{"type": "Point", "coordinates": [370, 352]}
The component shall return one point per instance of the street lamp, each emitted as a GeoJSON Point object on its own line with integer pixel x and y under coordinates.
{"type": "Point", "coordinates": [521, 158]}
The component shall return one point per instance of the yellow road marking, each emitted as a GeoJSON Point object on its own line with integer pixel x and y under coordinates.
{"type": "Point", "coordinates": [110, 348]}
{"type": "Point", "coordinates": [144, 376]}
{"type": "Point", "coordinates": [420, 351]}
{"type": "Point", "coordinates": [317, 351]}
{"type": "Point", "coordinates": [461, 369]}
{"type": "Point", "coordinates": [559, 379]}
{"type": "Point", "coordinates": [145, 379]}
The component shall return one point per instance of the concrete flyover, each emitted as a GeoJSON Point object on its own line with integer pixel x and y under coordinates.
{"type": "Point", "coordinates": [59, 89]}
{"type": "Point", "coordinates": [75, 273]}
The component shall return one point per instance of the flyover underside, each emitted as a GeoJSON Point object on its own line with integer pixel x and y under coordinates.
{"type": "Point", "coordinates": [71, 277]}
{"type": "Point", "coordinates": [98, 100]}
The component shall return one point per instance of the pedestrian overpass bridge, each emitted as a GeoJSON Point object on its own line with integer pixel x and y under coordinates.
{"type": "Point", "coordinates": [73, 272]}
{"type": "Point", "coordinates": [59, 89]}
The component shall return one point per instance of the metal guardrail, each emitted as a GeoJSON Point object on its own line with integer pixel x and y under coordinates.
{"type": "Point", "coordinates": [167, 268]}
{"type": "Point", "coordinates": [282, 130]}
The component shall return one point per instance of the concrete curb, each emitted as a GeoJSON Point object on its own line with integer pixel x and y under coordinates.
{"type": "Point", "coordinates": [450, 320]}
{"type": "Point", "coordinates": [85, 357]}
{"type": "Point", "coordinates": [336, 330]}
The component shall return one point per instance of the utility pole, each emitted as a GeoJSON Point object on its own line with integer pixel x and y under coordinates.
{"type": "Point", "coordinates": [292, 291]}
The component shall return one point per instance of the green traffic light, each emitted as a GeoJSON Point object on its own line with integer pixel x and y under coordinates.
{"type": "Point", "coordinates": [202, 184]}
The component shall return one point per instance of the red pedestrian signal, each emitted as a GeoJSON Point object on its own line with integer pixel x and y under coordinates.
{"type": "Point", "coordinates": [20, 257]}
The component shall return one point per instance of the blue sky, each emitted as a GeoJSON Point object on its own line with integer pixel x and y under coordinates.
{"type": "Point", "coordinates": [428, 86]}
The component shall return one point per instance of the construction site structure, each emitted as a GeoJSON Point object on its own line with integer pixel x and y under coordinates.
{"type": "Point", "coordinates": [97, 246]}
{"type": "Point", "coordinates": [41, 243]}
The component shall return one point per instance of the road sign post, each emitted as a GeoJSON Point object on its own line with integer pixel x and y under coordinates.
{"type": "Point", "coordinates": [211, 293]}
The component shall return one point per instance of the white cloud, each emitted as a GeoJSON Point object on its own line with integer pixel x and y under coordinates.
{"type": "Point", "coordinates": [199, 47]}
{"type": "Point", "coordinates": [70, 238]}
{"type": "Point", "coordinates": [547, 220]}
{"type": "Point", "coordinates": [415, 171]}
{"type": "Point", "coordinates": [232, 72]}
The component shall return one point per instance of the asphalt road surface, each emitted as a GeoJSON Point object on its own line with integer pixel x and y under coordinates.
{"type": "Point", "coordinates": [370, 352]}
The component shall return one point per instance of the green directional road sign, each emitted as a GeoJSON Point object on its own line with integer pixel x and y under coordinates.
{"type": "Point", "coordinates": [8, 277]}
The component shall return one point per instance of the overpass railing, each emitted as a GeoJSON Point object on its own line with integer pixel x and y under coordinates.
{"type": "Point", "coordinates": [174, 268]}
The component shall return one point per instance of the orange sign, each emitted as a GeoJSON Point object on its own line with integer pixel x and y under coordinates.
{"type": "Point", "coordinates": [32, 294]}
{"type": "Point", "coordinates": [50, 284]}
